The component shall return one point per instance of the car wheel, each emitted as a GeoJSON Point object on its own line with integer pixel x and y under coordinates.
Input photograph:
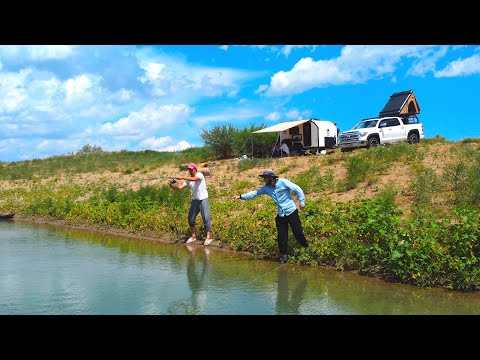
{"type": "Point", "coordinates": [413, 138]}
{"type": "Point", "coordinates": [373, 141]}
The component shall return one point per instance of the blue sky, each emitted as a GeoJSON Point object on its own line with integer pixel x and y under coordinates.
{"type": "Point", "coordinates": [55, 99]}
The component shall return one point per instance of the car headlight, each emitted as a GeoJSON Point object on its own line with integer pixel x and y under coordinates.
{"type": "Point", "coordinates": [362, 133]}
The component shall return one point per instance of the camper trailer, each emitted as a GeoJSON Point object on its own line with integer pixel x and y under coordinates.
{"type": "Point", "coordinates": [305, 135]}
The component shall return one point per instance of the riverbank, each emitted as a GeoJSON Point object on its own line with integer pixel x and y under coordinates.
{"type": "Point", "coordinates": [405, 213]}
{"type": "Point", "coordinates": [160, 238]}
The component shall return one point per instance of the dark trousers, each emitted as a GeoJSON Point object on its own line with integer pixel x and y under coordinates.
{"type": "Point", "coordinates": [282, 228]}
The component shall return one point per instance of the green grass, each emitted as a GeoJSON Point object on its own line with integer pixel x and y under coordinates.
{"type": "Point", "coordinates": [121, 161]}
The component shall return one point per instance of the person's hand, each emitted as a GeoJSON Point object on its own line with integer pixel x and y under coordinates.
{"type": "Point", "coordinates": [180, 178]}
{"type": "Point", "coordinates": [235, 197]}
{"type": "Point", "coordinates": [302, 207]}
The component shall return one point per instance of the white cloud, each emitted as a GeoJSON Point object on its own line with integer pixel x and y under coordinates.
{"type": "Point", "coordinates": [274, 116]}
{"type": "Point", "coordinates": [13, 90]}
{"type": "Point", "coordinates": [170, 76]}
{"type": "Point", "coordinates": [224, 47]}
{"type": "Point", "coordinates": [356, 64]}
{"type": "Point", "coordinates": [307, 113]}
{"type": "Point", "coordinates": [78, 89]}
{"type": "Point", "coordinates": [49, 52]}
{"type": "Point", "coordinates": [122, 96]}
{"type": "Point", "coordinates": [261, 89]}
{"type": "Point", "coordinates": [461, 67]}
{"type": "Point", "coordinates": [63, 146]}
{"type": "Point", "coordinates": [149, 119]}
{"type": "Point", "coordinates": [428, 62]}
{"type": "Point", "coordinates": [227, 115]}
{"type": "Point", "coordinates": [233, 93]}
{"type": "Point", "coordinates": [165, 143]}
{"type": "Point", "coordinates": [287, 49]}
{"type": "Point", "coordinates": [152, 72]}
{"type": "Point", "coordinates": [8, 144]}
{"type": "Point", "coordinates": [36, 52]}
{"type": "Point", "coordinates": [292, 114]}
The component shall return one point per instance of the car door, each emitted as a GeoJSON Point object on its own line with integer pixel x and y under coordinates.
{"type": "Point", "coordinates": [396, 128]}
{"type": "Point", "coordinates": [384, 132]}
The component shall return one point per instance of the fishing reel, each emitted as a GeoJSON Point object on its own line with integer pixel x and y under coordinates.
{"type": "Point", "coordinates": [173, 181]}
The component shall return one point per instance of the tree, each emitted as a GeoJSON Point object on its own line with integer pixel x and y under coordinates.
{"type": "Point", "coordinates": [88, 149]}
{"type": "Point", "coordinates": [220, 139]}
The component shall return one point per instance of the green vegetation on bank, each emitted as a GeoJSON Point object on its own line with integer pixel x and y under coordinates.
{"type": "Point", "coordinates": [435, 242]}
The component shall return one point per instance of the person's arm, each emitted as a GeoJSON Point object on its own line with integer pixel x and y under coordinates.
{"type": "Point", "coordinates": [297, 190]}
{"type": "Point", "coordinates": [250, 195]}
{"type": "Point", "coordinates": [178, 187]}
{"type": "Point", "coordinates": [189, 178]}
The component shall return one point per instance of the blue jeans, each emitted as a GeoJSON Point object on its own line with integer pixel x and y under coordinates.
{"type": "Point", "coordinates": [202, 207]}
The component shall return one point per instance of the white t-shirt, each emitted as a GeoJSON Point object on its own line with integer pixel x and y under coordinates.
{"type": "Point", "coordinates": [284, 147]}
{"type": "Point", "coordinates": [199, 187]}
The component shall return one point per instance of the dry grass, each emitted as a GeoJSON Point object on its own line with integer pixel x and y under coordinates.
{"type": "Point", "coordinates": [225, 172]}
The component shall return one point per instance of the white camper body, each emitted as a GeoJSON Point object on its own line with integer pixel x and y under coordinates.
{"type": "Point", "coordinates": [302, 135]}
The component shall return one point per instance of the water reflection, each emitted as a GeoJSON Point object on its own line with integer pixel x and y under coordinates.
{"type": "Point", "coordinates": [198, 272]}
{"type": "Point", "coordinates": [289, 294]}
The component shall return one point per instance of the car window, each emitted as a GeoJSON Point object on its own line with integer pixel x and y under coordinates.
{"type": "Point", "coordinates": [393, 122]}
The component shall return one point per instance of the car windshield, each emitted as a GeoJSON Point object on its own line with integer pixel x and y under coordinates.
{"type": "Point", "coordinates": [366, 124]}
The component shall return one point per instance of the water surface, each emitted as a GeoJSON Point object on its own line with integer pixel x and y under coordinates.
{"type": "Point", "coordinates": [52, 270]}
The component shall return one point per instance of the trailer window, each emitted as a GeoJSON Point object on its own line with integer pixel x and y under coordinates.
{"type": "Point", "coordinates": [294, 131]}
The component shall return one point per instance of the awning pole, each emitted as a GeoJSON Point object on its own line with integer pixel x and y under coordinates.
{"type": "Point", "coordinates": [251, 137]}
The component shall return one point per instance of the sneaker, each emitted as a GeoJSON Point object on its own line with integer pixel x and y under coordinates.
{"type": "Point", "coordinates": [190, 240]}
{"type": "Point", "coordinates": [207, 242]}
{"type": "Point", "coordinates": [283, 259]}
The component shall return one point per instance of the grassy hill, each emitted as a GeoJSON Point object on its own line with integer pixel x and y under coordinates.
{"type": "Point", "coordinates": [406, 213]}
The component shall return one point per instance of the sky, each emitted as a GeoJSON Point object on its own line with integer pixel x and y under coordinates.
{"type": "Point", "coordinates": [54, 99]}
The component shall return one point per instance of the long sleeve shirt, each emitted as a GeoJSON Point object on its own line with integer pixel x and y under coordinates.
{"type": "Point", "coordinates": [280, 193]}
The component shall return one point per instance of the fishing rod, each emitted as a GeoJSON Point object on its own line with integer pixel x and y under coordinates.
{"type": "Point", "coordinates": [171, 179]}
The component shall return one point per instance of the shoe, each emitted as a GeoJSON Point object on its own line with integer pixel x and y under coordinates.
{"type": "Point", "coordinates": [207, 242]}
{"type": "Point", "coordinates": [283, 259]}
{"type": "Point", "coordinates": [190, 240]}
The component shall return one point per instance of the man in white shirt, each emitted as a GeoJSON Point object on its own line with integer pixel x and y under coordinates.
{"type": "Point", "coordinates": [199, 203]}
{"type": "Point", "coordinates": [285, 149]}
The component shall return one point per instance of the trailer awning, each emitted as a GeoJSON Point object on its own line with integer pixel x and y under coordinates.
{"type": "Point", "coordinates": [282, 126]}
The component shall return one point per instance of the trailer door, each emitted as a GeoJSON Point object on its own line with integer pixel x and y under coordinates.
{"type": "Point", "coordinates": [307, 134]}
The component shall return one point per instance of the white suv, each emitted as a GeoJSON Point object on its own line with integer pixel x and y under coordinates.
{"type": "Point", "coordinates": [379, 131]}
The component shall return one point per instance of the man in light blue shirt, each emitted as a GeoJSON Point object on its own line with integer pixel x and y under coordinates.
{"type": "Point", "coordinates": [279, 190]}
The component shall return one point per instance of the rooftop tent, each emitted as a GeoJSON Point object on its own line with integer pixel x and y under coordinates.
{"type": "Point", "coordinates": [401, 103]}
